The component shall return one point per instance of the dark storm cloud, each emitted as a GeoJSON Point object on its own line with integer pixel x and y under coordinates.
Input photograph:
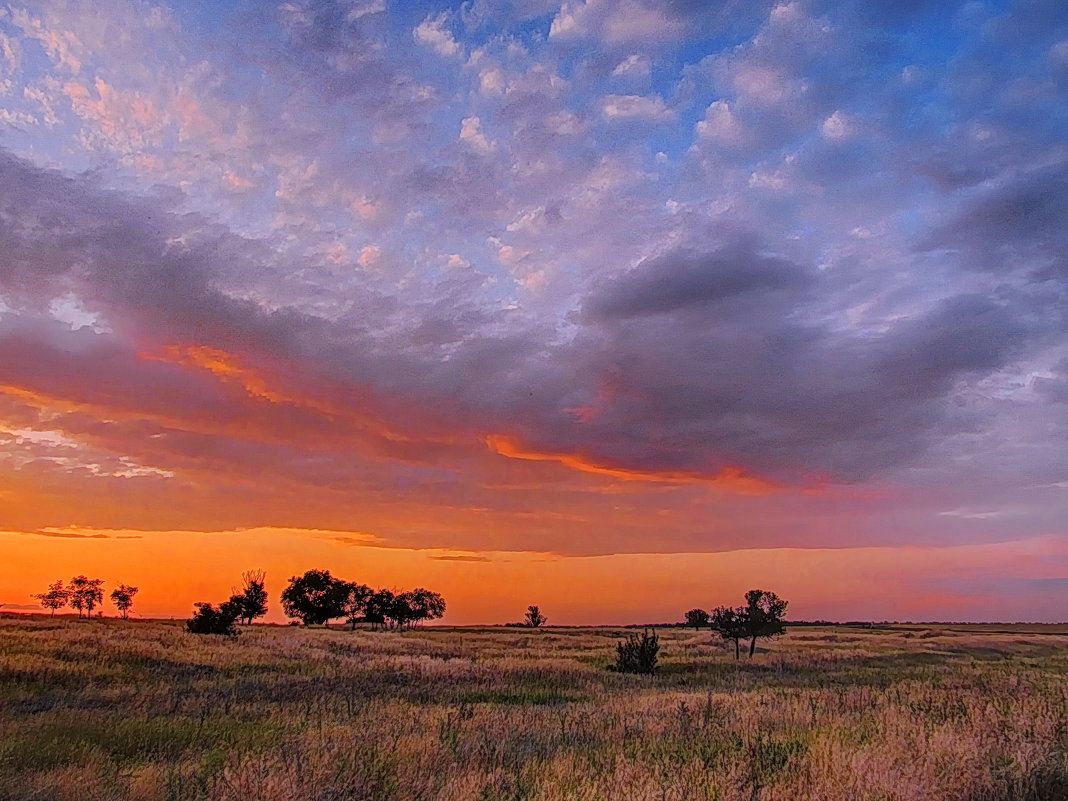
{"type": "Point", "coordinates": [688, 279]}
{"type": "Point", "coordinates": [697, 385]}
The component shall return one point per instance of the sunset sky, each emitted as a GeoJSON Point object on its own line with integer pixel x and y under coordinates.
{"type": "Point", "coordinates": [619, 308]}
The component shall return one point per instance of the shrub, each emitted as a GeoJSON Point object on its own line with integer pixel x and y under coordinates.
{"type": "Point", "coordinates": [210, 620]}
{"type": "Point", "coordinates": [637, 654]}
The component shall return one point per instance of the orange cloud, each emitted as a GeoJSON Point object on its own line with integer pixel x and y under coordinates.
{"type": "Point", "coordinates": [225, 366]}
{"type": "Point", "coordinates": [230, 368]}
{"type": "Point", "coordinates": [729, 479]}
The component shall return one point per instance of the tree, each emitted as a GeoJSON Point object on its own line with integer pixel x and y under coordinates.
{"type": "Point", "coordinates": [354, 605]}
{"type": "Point", "coordinates": [56, 597]}
{"type": "Point", "coordinates": [400, 613]}
{"type": "Point", "coordinates": [209, 620]}
{"type": "Point", "coordinates": [85, 594]}
{"type": "Point", "coordinates": [253, 595]}
{"type": "Point", "coordinates": [534, 618]}
{"type": "Point", "coordinates": [637, 654]}
{"type": "Point", "coordinates": [423, 604]}
{"type": "Point", "coordinates": [697, 618]}
{"type": "Point", "coordinates": [122, 596]}
{"type": "Point", "coordinates": [731, 625]}
{"type": "Point", "coordinates": [315, 598]}
{"type": "Point", "coordinates": [765, 613]}
{"type": "Point", "coordinates": [379, 608]}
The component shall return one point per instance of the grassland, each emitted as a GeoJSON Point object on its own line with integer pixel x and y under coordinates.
{"type": "Point", "coordinates": [143, 711]}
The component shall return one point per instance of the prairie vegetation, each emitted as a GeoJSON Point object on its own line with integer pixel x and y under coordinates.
{"type": "Point", "coordinates": [144, 711]}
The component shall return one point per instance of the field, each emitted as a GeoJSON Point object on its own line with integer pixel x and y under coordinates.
{"type": "Point", "coordinates": [107, 709]}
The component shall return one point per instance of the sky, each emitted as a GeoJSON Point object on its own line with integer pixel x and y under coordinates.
{"type": "Point", "coordinates": [619, 308]}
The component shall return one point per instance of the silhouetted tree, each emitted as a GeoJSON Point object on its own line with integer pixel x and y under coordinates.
{"type": "Point", "coordinates": [421, 604]}
{"type": "Point", "coordinates": [253, 595]}
{"type": "Point", "coordinates": [534, 618]}
{"type": "Point", "coordinates": [730, 624]}
{"type": "Point", "coordinates": [379, 608]}
{"type": "Point", "coordinates": [354, 605]}
{"type": "Point", "coordinates": [122, 596]}
{"type": "Point", "coordinates": [697, 618]}
{"type": "Point", "coordinates": [637, 654]}
{"type": "Point", "coordinates": [85, 594]}
{"type": "Point", "coordinates": [764, 616]}
{"type": "Point", "coordinates": [56, 597]}
{"type": "Point", "coordinates": [400, 612]}
{"type": "Point", "coordinates": [209, 620]}
{"type": "Point", "coordinates": [315, 598]}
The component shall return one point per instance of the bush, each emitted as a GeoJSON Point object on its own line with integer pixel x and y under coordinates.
{"type": "Point", "coordinates": [209, 620]}
{"type": "Point", "coordinates": [637, 654]}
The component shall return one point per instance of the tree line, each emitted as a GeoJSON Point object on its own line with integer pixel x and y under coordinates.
{"type": "Point", "coordinates": [85, 594]}
{"type": "Point", "coordinates": [762, 615]}
{"type": "Point", "coordinates": [315, 598]}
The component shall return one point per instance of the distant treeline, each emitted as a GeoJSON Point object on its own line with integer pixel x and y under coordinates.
{"type": "Point", "coordinates": [84, 595]}
{"type": "Point", "coordinates": [315, 598]}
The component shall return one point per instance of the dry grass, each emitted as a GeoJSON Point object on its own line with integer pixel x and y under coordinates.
{"type": "Point", "coordinates": [143, 711]}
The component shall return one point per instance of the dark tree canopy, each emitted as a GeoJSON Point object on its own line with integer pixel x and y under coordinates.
{"type": "Point", "coordinates": [85, 594]}
{"type": "Point", "coordinates": [354, 605]}
{"type": "Point", "coordinates": [123, 598]}
{"type": "Point", "coordinates": [697, 618]}
{"type": "Point", "coordinates": [252, 596]}
{"type": "Point", "coordinates": [730, 624]}
{"type": "Point", "coordinates": [765, 615]}
{"type": "Point", "coordinates": [56, 597]}
{"type": "Point", "coordinates": [380, 608]}
{"type": "Point", "coordinates": [534, 618]}
{"type": "Point", "coordinates": [762, 616]}
{"type": "Point", "coordinates": [422, 604]}
{"type": "Point", "coordinates": [315, 598]}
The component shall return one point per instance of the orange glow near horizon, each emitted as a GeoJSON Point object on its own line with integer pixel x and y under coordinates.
{"type": "Point", "coordinates": [176, 568]}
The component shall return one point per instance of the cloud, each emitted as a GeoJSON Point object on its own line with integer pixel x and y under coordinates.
{"type": "Point", "coordinates": [686, 279]}
{"type": "Point", "coordinates": [1013, 223]}
{"type": "Point", "coordinates": [433, 33]}
{"type": "Point", "coordinates": [627, 22]}
{"type": "Point", "coordinates": [624, 107]}
{"type": "Point", "coordinates": [472, 135]}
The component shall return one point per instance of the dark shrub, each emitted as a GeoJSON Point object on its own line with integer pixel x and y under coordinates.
{"type": "Point", "coordinates": [637, 654]}
{"type": "Point", "coordinates": [209, 620]}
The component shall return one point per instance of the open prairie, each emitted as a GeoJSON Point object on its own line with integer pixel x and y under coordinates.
{"type": "Point", "coordinates": [144, 711]}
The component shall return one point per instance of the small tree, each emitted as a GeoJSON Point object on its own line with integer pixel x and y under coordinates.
{"type": "Point", "coordinates": [354, 606]}
{"type": "Point", "coordinates": [122, 596]}
{"type": "Point", "coordinates": [85, 594]}
{"type": "Point", "coordinates": [315, 598]}
{"type": "Point", "coordinates": [534, 618]}
{"type": "Point", "coordinates": [209, 620]}
{"type": "Point", "coordinates": [765, 615]}
{"type": "Point", "coordinates": [697, 618]}
{"type": "Point", "coordinates": [56, 597]}
{"type": "Point", "coordinates": [252, 596]}
{"type": "Point", "coordinates": [637, 654]}
{"type": "Point", "coordinates": [731, 625]}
